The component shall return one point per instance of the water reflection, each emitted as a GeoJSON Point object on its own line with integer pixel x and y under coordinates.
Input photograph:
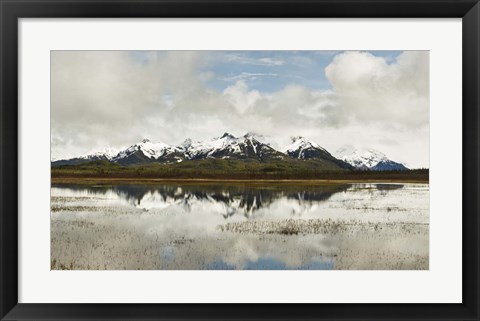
{"type": "Point", "coordinates": [245, 199]}
{"type": "Point", "coordinates": [184, 226]}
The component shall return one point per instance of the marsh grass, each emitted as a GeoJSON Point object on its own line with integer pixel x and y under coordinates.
{"type": "Point", "coordinates": [62, 208]}
{"type": "Point", "coordinates": [101, 246]}
{"type": "Point", "coordinates": [314, 226]}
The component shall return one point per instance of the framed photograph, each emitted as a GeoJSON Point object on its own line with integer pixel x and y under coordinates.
{"type": "Point", "coordinates": [239, 160]}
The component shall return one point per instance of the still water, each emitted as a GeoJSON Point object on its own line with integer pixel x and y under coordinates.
{"type": "Point", "coordinates": [240, 226]}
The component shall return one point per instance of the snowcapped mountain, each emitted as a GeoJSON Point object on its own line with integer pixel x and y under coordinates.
{"type": "Point", "coordinates": [107, 154]}
{"type": "Point", "coordinates": [225, 147]}
{"type": "Point", "coordinates": [142, 152]}
{"type": "Point", "coordinates": [230, 147]}
{"type": "Point", "coordinates": [302, 148]}
{"type": "Point", "coordinates": [146, 151]}
{"type": "Point", "coordinates": [267, 140]}
{"type": "Point", "coordinates": [250, 147]}
{"type": "Point", "coordinates": [368, 159]}
{"type": "Point", "coordinates": [149, 149]}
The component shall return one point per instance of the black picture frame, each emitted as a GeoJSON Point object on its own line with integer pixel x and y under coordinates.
{"type": "Point", "coordinates": [11, 11]}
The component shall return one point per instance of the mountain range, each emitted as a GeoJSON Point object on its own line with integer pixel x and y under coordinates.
{"type": "Point", "coordinates": [368, 159]}
{"type": "Point", "coordinates": [250, 147]}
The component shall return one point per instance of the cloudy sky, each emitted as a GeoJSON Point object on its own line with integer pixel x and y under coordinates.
{"type": "Point", "coordinates": [367, 99]}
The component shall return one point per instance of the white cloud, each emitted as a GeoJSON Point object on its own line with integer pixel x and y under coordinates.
{"type": "Point", "coordinates": [111, 99]}
{"type": "Point", "coordinates": [370, 90]}
{"type": "Point", "coordinates": [249, 75]}
{"type": "Point", "coordinates": [266, 61]}
{"type": "Point", "coordinates": [271, 61]}
{"type": "Point", "coordinates": [106, 97]}
{"type": "Point", "coordinates": [240, 97]}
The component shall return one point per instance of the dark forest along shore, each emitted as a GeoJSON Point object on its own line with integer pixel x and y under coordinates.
{"type": "Point", "coordinates": [221, 225]}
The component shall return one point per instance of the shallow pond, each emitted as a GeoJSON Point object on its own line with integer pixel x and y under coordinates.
{"type": "Point", "coordinates": [240, 226]}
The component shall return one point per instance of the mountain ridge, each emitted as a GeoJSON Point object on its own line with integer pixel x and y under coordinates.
{"type": "Point", "coordinates": [251, 147]}
{"type": "Point", "coordinates": [367, 159]}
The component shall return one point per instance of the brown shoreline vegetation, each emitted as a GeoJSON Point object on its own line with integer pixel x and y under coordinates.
{"type": "Point", "coordinates": [112, 181]}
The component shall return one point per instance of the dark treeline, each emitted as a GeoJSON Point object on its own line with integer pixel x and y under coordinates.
{"type": "Point", "coordinates": [220, 169]}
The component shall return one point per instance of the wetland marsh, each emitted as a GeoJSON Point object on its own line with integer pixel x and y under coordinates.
{"type": "Point", "coordinates": [212, 225]}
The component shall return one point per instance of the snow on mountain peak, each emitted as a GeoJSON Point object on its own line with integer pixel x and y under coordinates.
{"type": "Point", "coordinates": [108, 153]}
{"type": "Point", "coordinates": [149, 149]}
{"type": "Point", "coordinates": [361, 158]}
{"type": "Point", "coordinates": [259, 137]}
{"type": "Point", "coordinates": [302, 148]}
{"type": "Point", "coordinates": [208, 148]}
{"type": "Point", "coordinates": [186, 144]}
{"type": "Point", "coordinates": [300, 143]}
{"type": "Point", "coordinates": [227, 146]}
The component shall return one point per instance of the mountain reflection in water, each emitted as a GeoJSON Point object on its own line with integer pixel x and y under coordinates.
{"type": "Point", "coordinates": [235, 199]}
